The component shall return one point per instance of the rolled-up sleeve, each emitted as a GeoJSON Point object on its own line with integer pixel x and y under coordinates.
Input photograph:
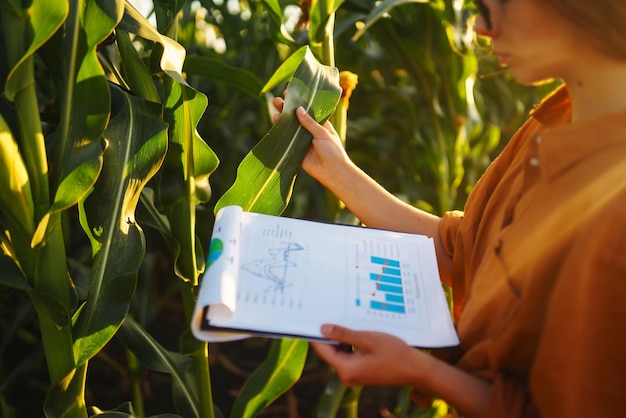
{"type": "Point", "coordinates": [448, 229]}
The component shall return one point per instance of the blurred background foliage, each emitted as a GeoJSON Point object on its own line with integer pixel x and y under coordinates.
{"type": "Point", "coordinates": [431, 109]}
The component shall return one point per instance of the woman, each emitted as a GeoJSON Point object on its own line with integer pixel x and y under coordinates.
{"type": "Point", "coordinates": [537, 261]}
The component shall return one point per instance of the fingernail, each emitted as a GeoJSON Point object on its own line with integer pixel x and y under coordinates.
{"type": "Point", "coordinates": [300, 110]}
{"type": "Point", "coordinates": [327, 329]}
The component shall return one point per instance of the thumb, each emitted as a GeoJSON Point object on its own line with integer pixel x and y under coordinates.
{"type": "Point", "coordinates": [345, 335]}
{"type": "Point", "coordinates": [309, 123]}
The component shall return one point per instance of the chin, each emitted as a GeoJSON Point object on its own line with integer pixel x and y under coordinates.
{"type": "Point", "coordinates": [531, 79]}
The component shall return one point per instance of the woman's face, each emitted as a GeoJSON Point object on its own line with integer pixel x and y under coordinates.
{"type": "Point", "coordinates": [530, 38]}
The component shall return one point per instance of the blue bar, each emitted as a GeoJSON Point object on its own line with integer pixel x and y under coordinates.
{"type": "Point", "coordinates": [385, 279]}
{"type": "Point", "coordinates": [394, 298]}
{"type": "Point", "coordinates": [385, 261]}
{"type": "Point", "coordinates": [388, 288]}
{"type": "Point", "coordinates": [388, 307]}
{"type": "Point", "coordinates": [389, 270]}
{"type": "Point", "coordinates": [358, 302]}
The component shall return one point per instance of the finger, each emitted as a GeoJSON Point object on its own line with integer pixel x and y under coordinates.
{"type": "Point", "coordinates": [329, 126]}
{"type": "Point", "coordinates": [309, 123]}
{"type": "Point", "coordinates": [278, 103]}
{"type": "Point", "coordinates": [328, 352]}
{"type": "Point", "coordinates": [345, 335]}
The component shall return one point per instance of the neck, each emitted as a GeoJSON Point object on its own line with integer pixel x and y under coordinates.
{"type": "Point", "coordinates": [597, 89]}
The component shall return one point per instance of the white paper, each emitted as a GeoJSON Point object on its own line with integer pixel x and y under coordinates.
{"type": "Point", "coordinates": [296, 275]}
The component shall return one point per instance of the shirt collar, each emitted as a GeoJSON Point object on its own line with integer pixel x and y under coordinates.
{"type": "Point", "coordinates": [561, 144]}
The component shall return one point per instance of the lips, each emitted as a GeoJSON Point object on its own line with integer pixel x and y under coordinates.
{"type": "Point", "coordinates": [502, 57]}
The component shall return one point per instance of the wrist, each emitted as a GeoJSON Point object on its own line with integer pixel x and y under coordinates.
{"type": "Point", "coordinates": [340, 177]}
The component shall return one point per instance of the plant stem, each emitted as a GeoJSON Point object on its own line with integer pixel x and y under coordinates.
{"type": "Point", "coordinates": [134, 375]}
{"type": "Point", "coordinates": [204, 381]}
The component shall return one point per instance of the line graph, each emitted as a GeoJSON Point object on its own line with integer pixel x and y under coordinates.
{"type": "Point", "coordinates": [273, 267]}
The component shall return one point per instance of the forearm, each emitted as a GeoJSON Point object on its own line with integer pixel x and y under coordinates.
{"type": "Point", "coordinates": [377, 208]}
{"type": "Point", "coordinates": [467, 393]}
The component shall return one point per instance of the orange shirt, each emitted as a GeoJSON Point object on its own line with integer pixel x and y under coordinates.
{"type": "Point", "coordinates": [539, 268]}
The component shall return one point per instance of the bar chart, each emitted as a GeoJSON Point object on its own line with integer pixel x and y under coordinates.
{"type": "Point", "coordinates": [385, 281]}
{"type": "Point", "coordinates": [387, 278]}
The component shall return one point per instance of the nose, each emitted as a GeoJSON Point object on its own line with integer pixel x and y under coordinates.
{"type": "Point", "coordinates": [483, 27]}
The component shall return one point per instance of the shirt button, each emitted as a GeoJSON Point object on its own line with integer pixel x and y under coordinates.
{"type": "Point", "coordinates": [534, 161]}
{"type": "Point", "coordinates": [538, 139]}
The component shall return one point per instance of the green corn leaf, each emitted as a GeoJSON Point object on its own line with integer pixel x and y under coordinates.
{"type": "Point", "coordinates": [184, 180]}
{"type": "Point", "coordinates": [330, 401]}
{"type": "Point", "coordinates": [56, 334]}
{"type": "Point", "coordinates": [44, 18]}
{"type": "Point", "coordinates": [321, 12]}
{"type": "Point", "coordinates": [274, 10]}
{"type": "Point", "coordinates": [86, 99]}
{"type": "Point", "coordinates": [280, 370]}
{"type": "Point", "coordinates": [16, 199]}
{"type": "Point", "coordinates": [184, 108]}
{"type": "Point", "coordinates": [189, 154]}
{"type": "Point", "coordinates": [67, 398]}
{"type": "Point", "coordinates": [125, 411]}
{"type": "Point", "coordinates": [286, 69]}
{"type": "Point", "coordinates": [218, 70]}
{"type": "Point", "coordinates": [266, 175]}
{"type": "Point", "coordinates": [27, 29]}
{"type": "Point", "coordinates": [73, 187]}
{"type": "Point", "coordinates": [136, 146]}
{"type": "Point", "coordinates": [275, 13]}
{"type": "Point", "coordinates": [134, 71]}
{"type": "Point", "coordinates": [173, 55]}
{"type": "Point", "coordinates": [153, 356]}
{"type": "Point", "coordinates": [378, 12]}
{"type": "Point", "coordinates": [10, 275]}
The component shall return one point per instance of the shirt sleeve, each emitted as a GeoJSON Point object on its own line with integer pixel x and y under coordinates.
{"type": "Point", "coordinates": [448, 229]}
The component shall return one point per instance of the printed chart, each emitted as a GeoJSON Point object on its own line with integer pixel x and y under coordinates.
{"type": "Point", "coordinates": [388, 295]}
{"type": "Point", "coordinates": [269, 274]}
{"type": "Point", "coordinates": [273, 267]}
{"type": "Point", "coordinates": [385, 281]}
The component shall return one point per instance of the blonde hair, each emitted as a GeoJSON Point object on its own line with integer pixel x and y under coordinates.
{"type": "Point", "coordinates": [604, 21]}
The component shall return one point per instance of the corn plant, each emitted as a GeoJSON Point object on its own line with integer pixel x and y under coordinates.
{"type": "Point", "coordinates": [84, 150]}
{"type": "Point", "coordinates": [121, 133]}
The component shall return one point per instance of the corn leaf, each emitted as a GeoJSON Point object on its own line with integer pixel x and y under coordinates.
{"type": "Point", "coordinates": [125, 411]}
{"type": "Point", "coordinates": [266, 175]}
{"type": "Point", "coordinates": [280, 370]}
{"type": "Point", "coordinates": [134, 71]}
{"type": "Point", "coordinates": [276, 15]}
{"type": "Point", "coordinates": [16, 201]}
{"type": "Point", "coordinates": [44, 18]}
{"type": "Point", "coordinates": [11, 275]}
{"type": "Point", "coordinates": [136, 146]}
{"type": "Point", "coordinates": [218, 70]}
{"type": "Point", "coordinates": [153, 356]}
{"type": "Point", "coordinates": [380, 11]}
{"type": "Point", "coordinates": [184, 180]}
{"type": "Point", "coordinates": [330, 401]}
{"type": "Point", "coordinates": [86, 98]}
{"type": "Point", "coordinates": [173, 55]}
{"type": "Point", "coordinates": [67, 398]}
{"type": "Point", "coordinates": [321, 12]}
